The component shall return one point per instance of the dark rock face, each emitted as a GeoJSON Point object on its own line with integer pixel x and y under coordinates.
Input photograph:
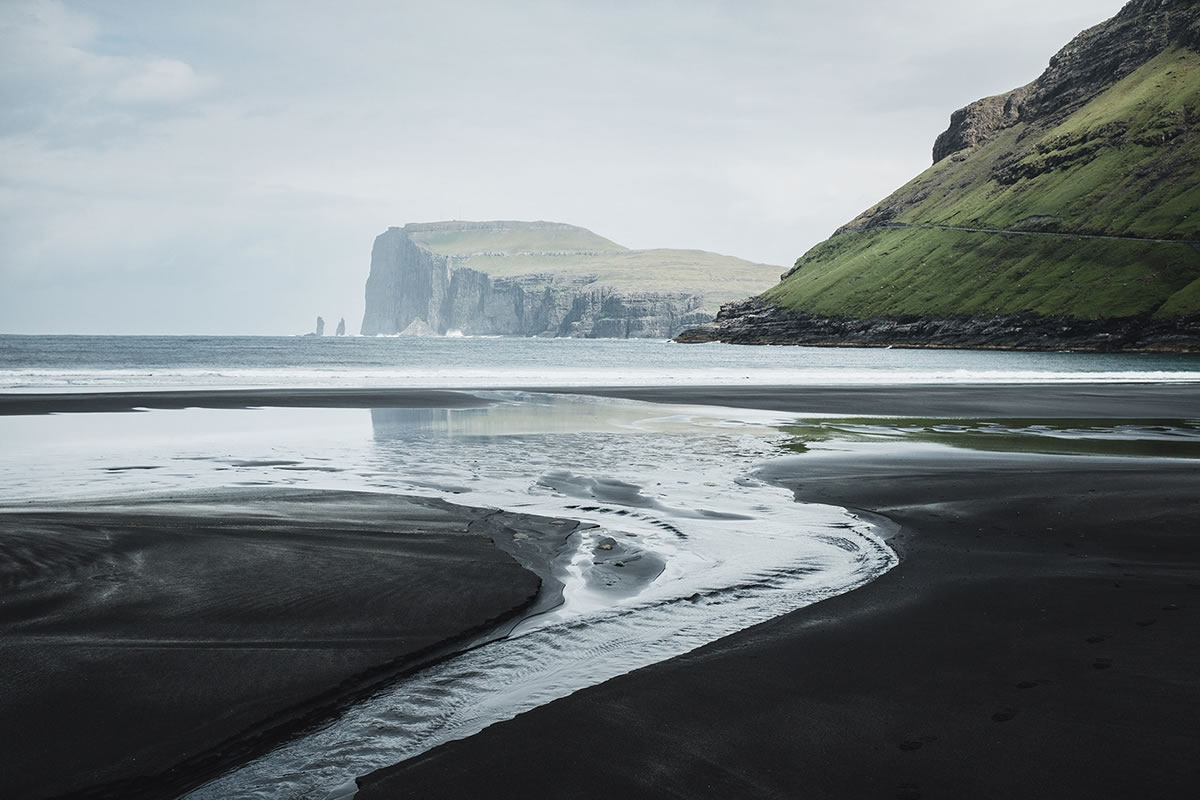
{"type": "Point", "coordinates": [755, 322]}
{"type": "Point", "coordinates": [979, 122]}
{"type": "Point", "coordinates": [1089, 64]}
{"type": "Point", "coordinates": [411, 284]}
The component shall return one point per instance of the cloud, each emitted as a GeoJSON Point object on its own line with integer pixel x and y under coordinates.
{"type": "Point", "coordinates": [161, 80]}
{"type": "Point", "coordinates": [57, 78]}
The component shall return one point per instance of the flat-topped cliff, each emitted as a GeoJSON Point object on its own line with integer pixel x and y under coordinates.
{"type": "Point", "coordinates": [543, 279]}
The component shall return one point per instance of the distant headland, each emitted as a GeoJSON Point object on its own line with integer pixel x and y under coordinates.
{"type": "Point", "coordinates": [544, 279]}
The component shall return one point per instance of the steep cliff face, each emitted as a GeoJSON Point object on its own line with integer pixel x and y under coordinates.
{"type": "Point", "coordinates": [1074, 199]}
{"type": "Point", "coordinates": [542, 279]}
{"type": "Point", "coordinates": [406, 283]}
{"type": "Point", "coordinates": [1093, 61]}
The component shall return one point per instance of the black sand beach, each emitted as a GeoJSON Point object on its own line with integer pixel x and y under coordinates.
{"type": "Point", "coordinates": [1059, 401]}
{"type": "Point", "coordinates": [1096, 400]}
{"type": "Point", "coordinates": [1039, 638]}
{"type": "Point", "coordinates": [148, 645]}
{"type": "Point", "coordinates": [92, 402]}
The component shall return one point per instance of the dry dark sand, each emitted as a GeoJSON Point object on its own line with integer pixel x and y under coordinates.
{"type": "Point", "coordinates": [147, 644]}
{"type": "Point", "coordinates": [1040, 639]}
{"type": "Point", "coordinates": [12, 403]}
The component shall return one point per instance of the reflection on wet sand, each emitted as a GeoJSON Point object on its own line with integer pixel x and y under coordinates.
{"type": "Point", "coordinates": [678, 546]}
{"type": "Point", "coordinates": [1151, 438]}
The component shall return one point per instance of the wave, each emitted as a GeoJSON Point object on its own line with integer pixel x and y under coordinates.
{"type": "Point", "coordinates": [460, 378]}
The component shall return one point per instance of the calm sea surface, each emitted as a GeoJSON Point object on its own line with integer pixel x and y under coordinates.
{"type": "Point", "coordinates": [89, 362]}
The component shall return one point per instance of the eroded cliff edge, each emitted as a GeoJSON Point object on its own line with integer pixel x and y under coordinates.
{"type": "Point", "coordinates": [543, 279]}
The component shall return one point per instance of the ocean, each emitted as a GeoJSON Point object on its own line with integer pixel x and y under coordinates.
{"type": "Point", "coordinates": [676, 486]}
{"type": "Point", "coordinates": [66, 363]}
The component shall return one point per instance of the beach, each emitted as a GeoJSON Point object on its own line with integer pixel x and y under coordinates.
{"type": "Point", "coordinates": [151, 644]}
{"type": "Point", "coordinates": [1038, 637]}
{"type": "Point", "coordinates": [1059, 400]}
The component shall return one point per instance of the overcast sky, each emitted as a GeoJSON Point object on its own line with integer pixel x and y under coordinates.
{"type": "Point", "coordinates": [223, 167]}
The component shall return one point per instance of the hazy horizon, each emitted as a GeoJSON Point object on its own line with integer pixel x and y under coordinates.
{"type": "Point", "coordinates": [225, 168]}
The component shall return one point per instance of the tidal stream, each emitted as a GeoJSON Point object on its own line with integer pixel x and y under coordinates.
{"type": "Point", "coordinates": [681, 544]}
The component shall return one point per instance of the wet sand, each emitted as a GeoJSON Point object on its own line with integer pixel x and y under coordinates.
{"type": "Point", "coordinates": [149, 644]}
{"type": "Point", "coordinates": [12, 403]}
{"type": "Point", "coordinates": [1057, 400]}
{"type": "Point", "coordinates": [1040, 639]}
{"type": "Point", "coordinates": [1061, 400]}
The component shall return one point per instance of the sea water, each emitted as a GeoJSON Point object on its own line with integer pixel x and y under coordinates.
{"type": "Point", "coordinates": [669, 486]}
{"type": "Point", "coordinates": [89, 362]}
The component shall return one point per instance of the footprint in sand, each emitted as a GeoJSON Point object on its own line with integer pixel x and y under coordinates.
{"type": "Point", "coordinates": [1102, 663]}
{"type": "Point", "coordinates": [1004, 715]}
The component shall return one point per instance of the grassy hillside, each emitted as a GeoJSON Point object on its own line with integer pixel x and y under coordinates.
{"type": "Point", "coordinates": [518, 249]}
{"type": "Point", "coordinates": [1125, 164]}
{"type": "Point", "coordinates": [720, 278]}
{"type": "Point", "coordinates": [508, 237]}
{"type": "Point", "coordinates": [921, 272]}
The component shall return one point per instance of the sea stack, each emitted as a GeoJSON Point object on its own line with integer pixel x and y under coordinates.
{"type": "Point", "coordinates": [320, 331]}
{"type": "Point", "coordinates": [341, 327]}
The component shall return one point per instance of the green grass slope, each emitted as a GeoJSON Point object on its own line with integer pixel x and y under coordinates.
{"type": "Point", "coordinates": [945, 273]}
{"type": "Point", "coordinates": [720, 278]}
{"type": "Point", "coordinates": [465, 238]}
{"type": "Point", "coordinates": [555, 251]}
{"type": "Point", "coordinates": [1126, 164]}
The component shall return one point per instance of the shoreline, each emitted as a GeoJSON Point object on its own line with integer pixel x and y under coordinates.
{"type": "Point", "coordinates": [1036, 640]}
{"type": "Point", "coordinates": [756, 321]}
{"type": "Point", "coordinates": [33, 403]}
{"type": "Point", "coordinates": [1022, 400]}
{"type": "Point", "coordinates": [152, 644]}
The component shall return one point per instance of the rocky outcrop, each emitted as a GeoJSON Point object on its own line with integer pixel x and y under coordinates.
{"type": "Point", "coordinates": [980, 121]}
{"type": "Point", "coordinates": [411, 284]}
{"type": "Point", "coordinates": [320, 331]}
{"type": "Point", "coordinates": [341, 327]}
{"type": "Point", "coordinates": [754, 321]}
{"type": "Point", "coordinates": [1089, 64]}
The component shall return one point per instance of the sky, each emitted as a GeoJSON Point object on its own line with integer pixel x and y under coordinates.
{"type": "Point", "coordinates": [223, 167]}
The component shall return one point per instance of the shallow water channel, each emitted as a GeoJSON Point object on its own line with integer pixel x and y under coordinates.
{"type": "Point", "coordinates": [681, 544]}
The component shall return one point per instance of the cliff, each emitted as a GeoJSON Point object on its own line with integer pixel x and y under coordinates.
{"type": "Point", "coordinates": [1069, 204]}
{"type": "Point", "coordinates": [543, 279]}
